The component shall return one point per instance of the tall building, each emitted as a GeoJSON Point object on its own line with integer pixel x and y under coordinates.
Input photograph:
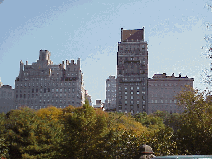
{"type": "Point", "coordinates": [6, 98]}
{"type": "Point", "coordinates": [110, 102]}
{"type": "Point", "coordinates": [43, 83]}
{"type": "Point", "coordinates": [162, 91]}
{"type": "Point", "coordinates": [132, 72]}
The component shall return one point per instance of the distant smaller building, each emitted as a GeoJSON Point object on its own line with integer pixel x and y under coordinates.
{"type": "Point", "coordinates": [99, 104]}
{"type": "Point", "coordinates": [162, 90]}
{"type": "Point", "coordinates": [110, 102]}
{"type": "Point", "coordinates": [6, 98]}
{"type": "Point", "coordinates": [0, 82]}
{"type": "Point", "coordinates": [88, 97]}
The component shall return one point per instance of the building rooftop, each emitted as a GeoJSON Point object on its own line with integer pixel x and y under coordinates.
{"type": "Point", "coordinates": [132, 35]}
{"type": "Point", "coordinates": [164, 76]}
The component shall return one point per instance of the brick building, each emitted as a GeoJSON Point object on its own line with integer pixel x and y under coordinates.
{"type": "Point", "coordinates": [43, 83]}
{"type": "Point", "coordinates": [132, 72]}
{"type": "Point", "coordinates": [162, 90]}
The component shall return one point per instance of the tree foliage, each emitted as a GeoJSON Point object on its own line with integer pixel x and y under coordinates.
{"type": "Point", "coordinates": [195, 130]}
{"type": "Point", "coordinates": [85, 132]}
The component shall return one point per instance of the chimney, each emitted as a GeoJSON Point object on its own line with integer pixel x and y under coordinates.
{"type": "Point", "coordinates": [121, 34]}
{"type": "Point", "coordinates": [78, 62]}
{"type": "Point", "coordinates": [26, 62]}
{"type": "Point", "coordinates": [67, 62]}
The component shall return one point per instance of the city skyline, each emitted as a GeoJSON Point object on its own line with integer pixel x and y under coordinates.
{"type": "Point", "coordinates": [90, 30]}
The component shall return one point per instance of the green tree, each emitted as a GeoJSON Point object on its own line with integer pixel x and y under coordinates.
{"type": "Point", "coordinates": [84, 129]}
{"type": "Point", "coordinates": [3, 145]}
{"type": "Point", "coordinates": [31, 136]}
{"type": "Point", "coordinates": [195, 130]}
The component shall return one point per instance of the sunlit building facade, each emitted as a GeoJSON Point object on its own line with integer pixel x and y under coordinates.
{"type": "Point", "coordinates": [43, 83]}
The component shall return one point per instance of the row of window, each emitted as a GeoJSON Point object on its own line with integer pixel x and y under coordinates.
{"type": "Point", "coordinates": [131, 92]}
{"type": "Point", "coordinates": [168, 84]}
{"type": "Point", "coordinates": [132, 79]}
{"type": "Point", "coordinates": [5, 94]}
{"type": "Point", "coordinates": [132, 102]}
{"type": "Point", "coordinates": [40, 107]}
{"type": "Point", "coordinates": [47, 102]}
{"type": "Point", "coordinates": [25, 96]}
{"type": "Point", "coordinates": [49, 84]}
{"type": "Point", "coordinates": [163, 101]}
{"type": "Point", "coordinates": [167, 95]}
{"type": "Point", "coordinates": [45, 90]}
{"type": "Point", "coordinates": [133, 46]}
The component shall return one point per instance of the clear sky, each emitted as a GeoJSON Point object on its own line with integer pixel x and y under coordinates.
{"type": "Point", "coordinates": [91, 30]}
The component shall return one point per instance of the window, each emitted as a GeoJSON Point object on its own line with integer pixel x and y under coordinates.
{"type": "Point", "coordinates": [131, 92]}
{"type": "Point", "coordinates": [125, 97]}
{"type": "Point", "coordinates": [137, 87]}
{"type": "Point", "coordinates": [125, 87]}
{"type": "Point", "coordinates": [125, 92]}
{"type": "Point", "coordinates": [131, 97]}
{"type": "Point", "coordinates": [137, 92]}
{"type": "Point", "coordinates": [131, 88]}
{"type": "Point", "coordinates": [156, 101]}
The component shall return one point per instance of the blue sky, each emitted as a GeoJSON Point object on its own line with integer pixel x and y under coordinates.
{"type": "Point", "coordinates": [90, 30]}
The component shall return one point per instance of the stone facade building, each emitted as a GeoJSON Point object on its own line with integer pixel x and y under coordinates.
{"type": "Point", "coordinates": [43, 84]}
{"type": "Point", "coordinates": [6, 98]}
{"type": "Point", "coordinates": [110, 102]}
{"type": "Point", "coordinates": [162, 90]}
{"type": "Point", "coordinates": [132, 72]}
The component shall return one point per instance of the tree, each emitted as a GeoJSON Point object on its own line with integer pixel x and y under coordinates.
{"type": "Point", "coordinates": [194, 133]}
{"type": "Point", "coordinates": [84, 128]}
{"type": "Point", "coordinates": [207, 76]}
{"type": "Point", "coordinates": [3, 145]}
{"type": "Point", "coordinates": [31, 136]}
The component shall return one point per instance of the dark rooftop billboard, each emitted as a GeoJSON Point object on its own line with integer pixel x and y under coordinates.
{"type": "Point", "coordinates": [132, 35]}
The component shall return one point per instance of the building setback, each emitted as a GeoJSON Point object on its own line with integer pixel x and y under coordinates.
{"type": "Point", "coordinates": [110, 102]}
{"type": "Point", "coordinates": [43, 84]}
{"type": "Point", "coordinates": [162, 91]}
{"type": "Point", "coordinates": [132, 72]}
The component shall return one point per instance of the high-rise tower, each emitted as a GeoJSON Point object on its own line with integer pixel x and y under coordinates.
{"type": "Point", "coordinates": [132, 72]}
